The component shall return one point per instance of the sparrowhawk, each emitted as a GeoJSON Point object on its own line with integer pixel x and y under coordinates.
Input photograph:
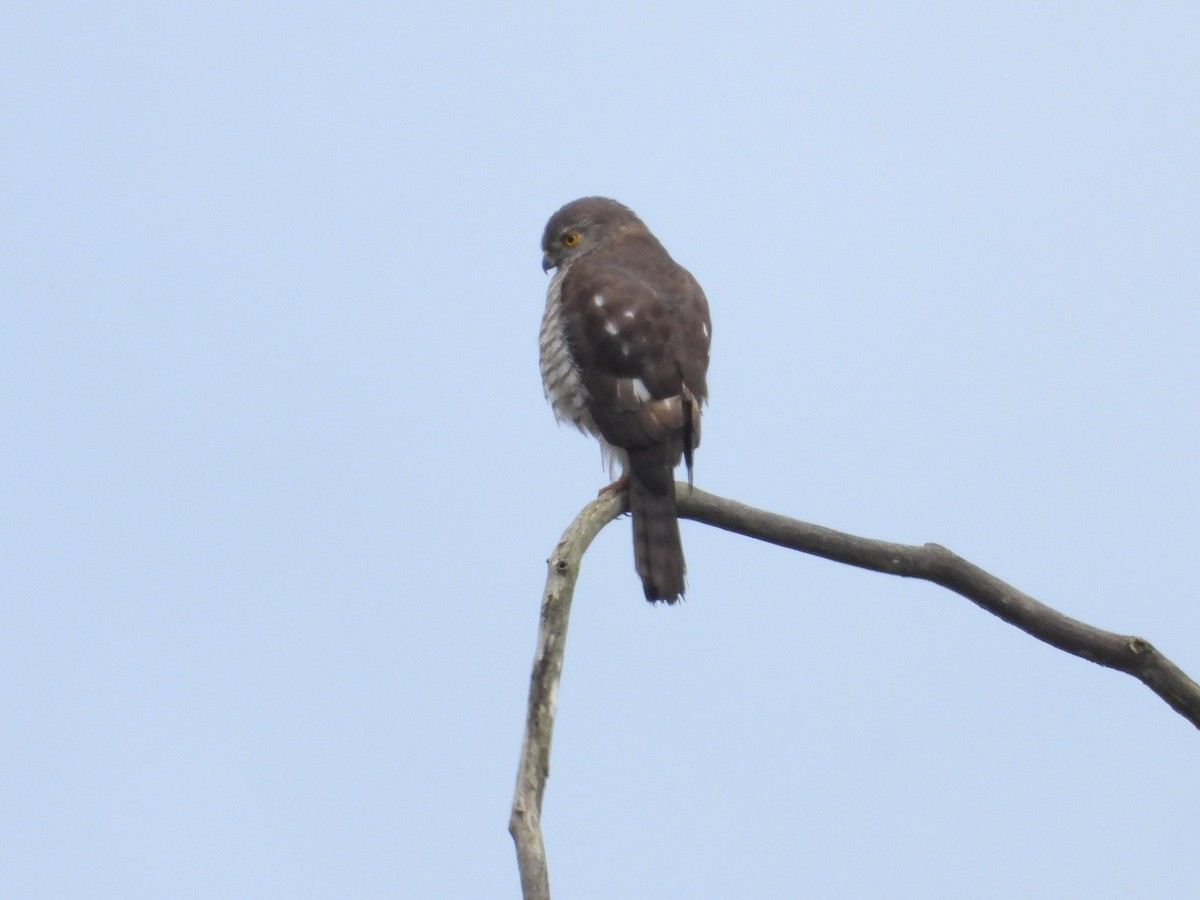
{"type": "Point", "coordinates": [624, 357]}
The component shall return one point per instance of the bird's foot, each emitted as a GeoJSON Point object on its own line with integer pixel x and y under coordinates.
{"type": "Point", "coordinates": [619, 485]}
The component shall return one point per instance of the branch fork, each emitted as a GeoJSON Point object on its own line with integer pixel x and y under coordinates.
{"type": "Point", "coordinates": [931, 562]}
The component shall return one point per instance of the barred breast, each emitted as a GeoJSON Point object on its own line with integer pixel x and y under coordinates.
{"type": "Point", "coordinates": [560, 376]}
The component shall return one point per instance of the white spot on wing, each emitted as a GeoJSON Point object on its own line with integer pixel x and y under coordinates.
{"type": "Point", "coordinates": [611, 327]}
{"type": "Point", "coordinates": [598, 299]}
{"type": "Point", "coordinates": [704, 328]}
{"type": "Point", "coordinates": [640, 390]}
{"type": "Point", "coordinates": [628, 314]}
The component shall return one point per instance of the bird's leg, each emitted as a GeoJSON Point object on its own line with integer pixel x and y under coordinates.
{"type": "Point", "coordinates": [619, 485]}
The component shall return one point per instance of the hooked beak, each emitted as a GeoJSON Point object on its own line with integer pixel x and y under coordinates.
{"type": "Point", "coordinates": [548, 262]}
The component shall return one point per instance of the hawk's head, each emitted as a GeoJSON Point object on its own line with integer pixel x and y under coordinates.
{"type": "Point", "coordinates": [583, 225]}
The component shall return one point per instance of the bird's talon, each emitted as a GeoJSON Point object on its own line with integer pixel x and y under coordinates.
{"type": "Point", "coordinates": [619, 485]}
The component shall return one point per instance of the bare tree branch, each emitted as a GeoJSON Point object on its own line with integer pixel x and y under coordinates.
{"type": "Point", "coordinates": [931, 562]}
{"type": "Point", "coordinates": [525, 822]}
{"type": "Point", "coordinates": [1133, 655]}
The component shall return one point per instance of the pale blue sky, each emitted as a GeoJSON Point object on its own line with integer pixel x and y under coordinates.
{"type": "Point", "coordinates": [279, 480]}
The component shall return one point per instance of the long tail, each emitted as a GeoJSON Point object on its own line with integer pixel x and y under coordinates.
{"type": "Point", "coordinates": [657, 550]}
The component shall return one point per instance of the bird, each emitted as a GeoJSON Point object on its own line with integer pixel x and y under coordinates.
{"type": "Point", "coordinates": [624, 349]}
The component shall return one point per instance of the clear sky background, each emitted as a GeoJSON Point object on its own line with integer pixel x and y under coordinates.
{"type": "Point", "coordinates": [279, 482]}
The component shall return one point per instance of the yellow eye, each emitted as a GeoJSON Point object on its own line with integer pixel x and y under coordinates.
{"type": "Point", "coordinates": [570, 239]}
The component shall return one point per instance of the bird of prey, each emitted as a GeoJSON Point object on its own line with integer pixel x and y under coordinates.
{"type": "Point", "coordinates": [624, 357]}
